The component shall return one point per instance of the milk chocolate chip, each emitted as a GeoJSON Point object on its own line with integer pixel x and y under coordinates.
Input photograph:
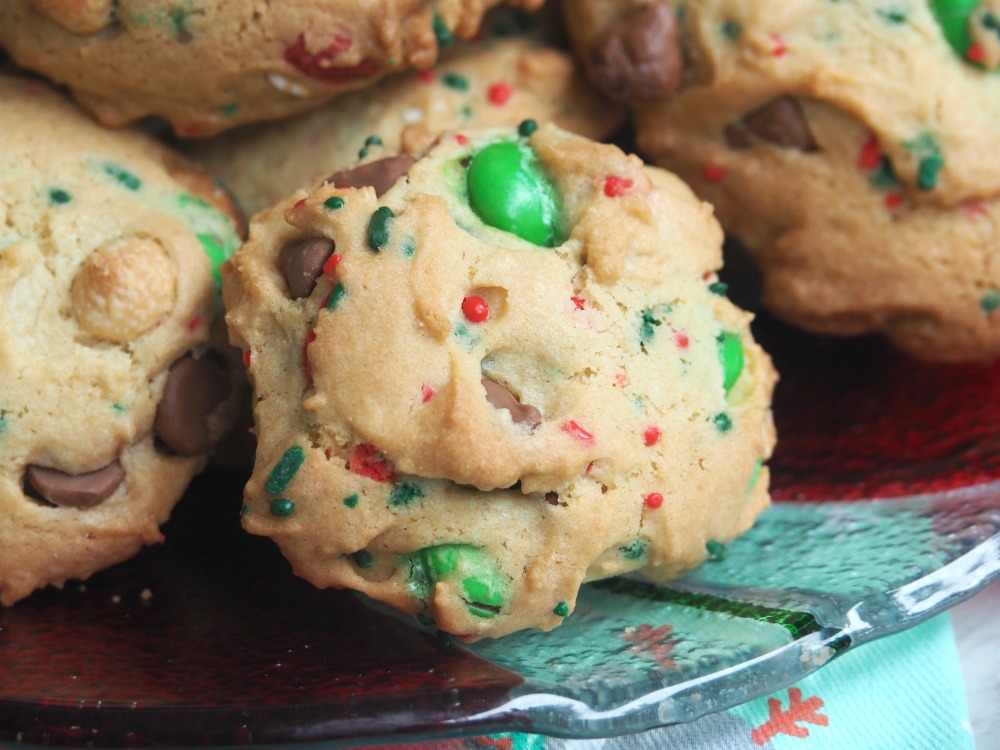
{"type": "Point", "coordinates": [639, 58]}
{"type": "Point", "coordinates": [501, 398]}
{"type": "Point", "coordinates": [301, 262]}
{"type": "Point", "coordinates": [780, 122]}
{"type": "Point", "coordinates": [194, 388]}
{"type": "Point", "coordinates": [75, 490]}
{"type": "Point", "coordinates": [381, 174]}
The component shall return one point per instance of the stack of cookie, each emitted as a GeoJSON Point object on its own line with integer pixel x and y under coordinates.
{"type": "Point", "coordinates": [491, 357]}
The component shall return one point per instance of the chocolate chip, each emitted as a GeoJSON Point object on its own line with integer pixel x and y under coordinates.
{"type": "Point", "coordinates": [194, 388]}
{"type": "Point", "coordinates": [780, 122]}
{"type": "Point", "coordinates": [301, 262]}
{"type": "Point", "coordinates": [552, 498]}
{"type": "Point", "coordinates": [75, 490]}
{"type": "Point", "coordinates": [501, 398]}
{"type": "Point", "coordinates": [381, 174]}
{"type": "Point", "coordinates": [639, 58]}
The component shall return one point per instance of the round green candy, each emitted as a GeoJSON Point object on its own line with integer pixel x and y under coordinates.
{"type": "Point", "coordinates": [731, 356]}
{"type": "Point", "coordinates": [953, 17]}
{"type": "Point", "coordinates": [483, 584]}
{"type": "Point", "coordinates": [508, 190]}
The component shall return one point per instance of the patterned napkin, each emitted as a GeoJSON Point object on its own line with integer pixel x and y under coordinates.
{"type": "Point", "coordinates": [903, 691]}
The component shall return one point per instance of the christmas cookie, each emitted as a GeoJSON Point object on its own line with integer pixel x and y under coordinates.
{"type": "Point", "coordinates": [506, 371]}
{"type": "Point", "coordinates": [483, 84]}
{"type": "Point", "coordinates": [848, 145]}
{"type": "Point", "coordinates": [208, 66]}
{"type": "Point", "coordinates": [111, 398]}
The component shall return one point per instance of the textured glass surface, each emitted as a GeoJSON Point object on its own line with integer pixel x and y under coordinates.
{"type": "Point", "coordinates": [209, 640]}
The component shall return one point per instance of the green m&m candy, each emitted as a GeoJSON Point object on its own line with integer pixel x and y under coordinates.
{"type": "Point", "coordinates": [508, 190]}
{"type": "Point", "coordinates": [731, 357]}
{"type": "Point", "coordinates": [482, 583]}
{"type": "Point", "coordinates": [953, 17]}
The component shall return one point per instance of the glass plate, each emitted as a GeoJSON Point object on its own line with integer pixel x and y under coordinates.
{"type": "Point", "coordinates": [887, 478]}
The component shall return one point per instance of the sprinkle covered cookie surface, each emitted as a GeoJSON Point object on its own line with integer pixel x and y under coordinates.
{"type": "Point", "coordinates": [111, 399]}
{"type": "Point", "coordinates": [504, 371]}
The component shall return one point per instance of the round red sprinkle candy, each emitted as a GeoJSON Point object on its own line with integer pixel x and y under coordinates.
{"type": "Point", "coordinates": [682, 339]}
{"type": "Point", "coordinates": [893, 200]}
{"type": "Point", "coordinates": [870, 157]}
{"type": "Point", "coordinates": [615, 186]}
{"type": "Point", "coordinates": [330, 267]}
{"type": "Point", "coordinates": [426, 393]}
{"type": "Point", "coordinates": [651, 435]}
{"type": "Point", "coordinates": [195, 322]}
{"type": "Point", "coordinates": [427, 76]}
{"type": "Point", "coordinates": [779, 45]}
{"type": "Point", "coordinates": [475, 309]}
{"type": "Point", "coordinates": [653, 500]}
{"type": "Point", "coordinates": [462, 140]}
{"type": "Point", "coordinates": [499, 93]}
{"type": "Point", "coordinates": [714, 172]}
{"type": "Point", "coordinates": [976, 53]}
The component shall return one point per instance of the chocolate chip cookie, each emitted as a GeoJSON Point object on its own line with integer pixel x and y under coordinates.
{"type": "Point", "coordinates": [111, 397]}
{"type": "Point", "coordinates": [208, 67]}
{"type": "Point", "coordinates": [497, 81]}
{"type": "Point", "coordinates": [846, 144]}
{"type": "Point", "coordinates": [507, 369]}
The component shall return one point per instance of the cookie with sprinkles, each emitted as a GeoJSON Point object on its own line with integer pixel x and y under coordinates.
{"type": "Point", "coordinates": [487, 83]}
{"type": "Point", "coordinates": [111, 397]}
{"type": "Point", "coordinates": [207, 66]}
{"type": "Point", "coordinates": [847, 145]}
{"type": "Point", "coordinates": [506, 373]}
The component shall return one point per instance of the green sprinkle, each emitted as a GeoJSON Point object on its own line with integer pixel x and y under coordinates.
{"type": "Point", "coordinates": [718, 288]}
{"type": "Point", "coordinates": [634, 550]}
{"type": "Point", "coordinates": [652, 317]}
{"type": "Point", "coordinates": [466, 112]}
{"type": "Point", "coordinates": [351, 501]}
{"type": "Point", "coordinates": [754, 475]}
{"type": "Point", "coordinates": [334, 204]}
{"type": "Point", "coordinates": [244, 510]}
{"type": "Point", "coordinates": [378, 228]}
{"type": "Point", "coordinates": [731, 356]}
{"type": "Point", "coordinates": [409, 247]}
{"type": "Point", "coordinates": [883, 177]}
{"type": "Point", "coordinates": [284, 470]}
{"type": "Point", "coordinates": [281, 507]}
{"type": "Point", "coordinates": [119, 407]}
{"type": "Point", "coordinates": [373, 140]}
{"type": "Point", "coordinates": [731, 30]}
{"type": "Point", "coordinates": [228, 110]}
{"type": "Point", "coordinates": [723, 422]}
{"type": "Point", "coordinates": [561, 609]}
{"type": "Point", "coordinates": [363, 559]}
{"type": "Point", "coordinates": [123, 177]}
{"type": "Point", "coordinates": [927, 173]}
{"type": "Point", "coordinates": [990, 301]}
{"type": "Point", "coordinates": [441, 31]}
{"type": "Point", "coordinates": [404, 493]}
{"type": "Point", "coordinates": [58, 196]}
{"type": "Point", "coordinates": [335, 296]}
{"type": "Point", "coordinates": [717, 551]}
{"type": "Point", "coordinates": [3, 423]}
{"type": "Point", "coordinates": [217, 251]}
{"type": "Point", "coordinates": [527, 128]}
{"type": "Point", "coordinates": [363, 153]}
{"type": "Point", "coordinates": [894, 16]}
{"type": "Point", "coordinates": [455, 81]}
{"type": "Point", "coordinates": [178, 20]}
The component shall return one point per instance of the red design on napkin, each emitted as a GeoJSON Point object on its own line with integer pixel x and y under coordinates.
{"type": "Point", "coordinates": [786, 722]}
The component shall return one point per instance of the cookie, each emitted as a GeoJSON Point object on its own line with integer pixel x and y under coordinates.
{"type": "Point", "coordinates": [483, 84]}
{"type": "Point", "coordinates": [509, 371]}
{"type": "Point", "coordinates": [207, 67]}
{"type": "Point", "coordinates": [111, 397]}
{"type": "Point", "coordinates": [844, 144]}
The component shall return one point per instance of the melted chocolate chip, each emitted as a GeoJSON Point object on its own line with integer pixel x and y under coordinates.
{"type": "Point", "coordinates": [552, 498]}
{"type": "Point", "coordinates": [780, 122]}
{"type": "Point", "coordinates": [381, 174]}
{"type": "Point", "coordinates": [501, 398]}
{"type": "Point", "coordinates": [75, 490]}
{"type": "Point", "coordinates": [194, 388]}
{"type": "Point", "coordinates": [301, 262]}
{"type": "Point", "coordinates": [639, 58]}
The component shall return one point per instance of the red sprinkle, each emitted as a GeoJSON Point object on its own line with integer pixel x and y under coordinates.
{"type": "Point", "coordinates": [330, 267]}
{"type": "Point", "coordinates": [322, 64]}
{"type": "Point", "coordinates": [578, 301]}
{"type": "Point", "coordinates": [651, 436]}
{"type": "Point", "coordinates": [682, 339]}
{"type": "Point", "coordinates": [475, 309]}
{"type": "Point", "coordinates": [870, 157]}
{"type": "Point", "coordinates": [714, 172]}
{"type": "Point", "coordinates": [192, 129]}
{"type": "Point", "coordinates": [653, 500]}
{"type": "Point", "coordinates": [615, 186]}
{"type": "Point", "coordinates": [368, 461]}
{"type": "Point", "coordinates": [196, 321]}
{"type": "Point", "coordinates": [974, 209]}
{"type": "Point", "coordinates": [572, 428]}
{"type": "Point", "coordinates": [976, 53]}
{"type": "Point", "coordinates": [427, 393]}
{"type": "Point", "coordinates": [894, 200]}
{"type": "Point", "coordinates": [306, 364]}
{"type": "Point", "coordinates": [779, 45]}
{"type": "Point", "coordinates": [299, 204]}
{"type": "Point", "coordinates": [462, 140]}
{"type": "Point", "coordinates": [621, 378]}
{"type": "Point", "coordinates": [589, 467]}
{"type": "Point", "coordinates": [246, 358]}
{"type": "Point", "coordinates": [499, 93]}
{"type": "Point", "coordinates": [427, 76]}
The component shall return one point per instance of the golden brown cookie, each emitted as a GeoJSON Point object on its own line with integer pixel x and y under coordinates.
{"type": "Point", "coordinates": [111, 399]}
{"type": "Point", "coordinates": [510, 371]}
{"type": "Point", "coordinates": [846, 144]}
{"type": "Point", "coordinates": [208, 66]}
